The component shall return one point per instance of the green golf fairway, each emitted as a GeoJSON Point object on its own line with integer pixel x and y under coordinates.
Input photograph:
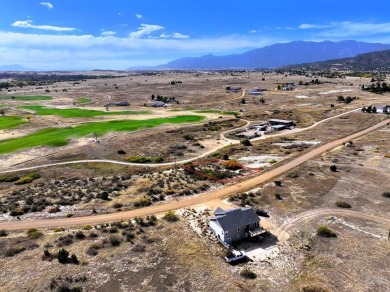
{"type": "Point", "coordinates": [32, 97]}
{"type": "Point", "coordinates": [56, 137]}
{"type": "Point", "coordinates": [76, 112]}
{"type": "Point", "coordinates": [9, 122]}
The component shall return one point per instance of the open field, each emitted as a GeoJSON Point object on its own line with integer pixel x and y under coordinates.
{"type": "Point", "coordinates": [308, 179]}
{"type": "Point", "coordinates": [26, 97]}
{"type": "Point", "coordinates": [76, 112]}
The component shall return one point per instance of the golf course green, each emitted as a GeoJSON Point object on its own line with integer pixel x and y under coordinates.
{"type": "Point", "coordinates": [56, 137]}
{"type": "Point", "coordinates": [76, 112]}
{"type": "Point", "coordinates": [9, 122]}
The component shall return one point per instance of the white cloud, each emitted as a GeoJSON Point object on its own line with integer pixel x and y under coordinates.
{"type": "Point", "coordinates": [108, 33]}
{"type": "Point", "coordinates": [139, 16]}
{"type": "Point", "coordinates": [47, 4]}
{"type": "Point", "coordinates": [348, 28]}
{"type": "Point", "coordinates": [145, 29]}
{"type": "Point", "coordinates": [178, 35]}
{"type": "Point", "coordinates": [253, 31]}
{"type": "Point", "coordinates": [313, 26]}
{"type": "Point", "coordinates": [28, 24]}
{"type": "Point", "coordinates": [51, 52]}
{"type": "Point", "coordinates": [175, 35]}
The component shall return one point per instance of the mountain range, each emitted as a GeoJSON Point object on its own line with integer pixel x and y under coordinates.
{"type": "Point", "coordinates": [278, 55]}
{"type": "Point", "coordinates": [363, 62]}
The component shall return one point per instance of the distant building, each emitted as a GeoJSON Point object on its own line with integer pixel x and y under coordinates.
{"type": "Point", "coordinates": [235, 224]}
{"type": "Point", "coordinates": [289, 86]}
{"type": "Point", "coordinates": [255, 92]}
{"type": "Point", "coordinates": [233, 89]}
{"type": "Point", "coordinates": [156, 104]}
{"type": "Point", "coordinates": [279, 122]}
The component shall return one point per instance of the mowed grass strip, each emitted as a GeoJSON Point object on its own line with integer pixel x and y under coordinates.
{"type": "Point", "coordinates": [9, 122]}
{"type": "Point", "coordinates": [27, 97]}
{"type": "Point", "coordinates": [56, 137]}
{"type": "Point", "coordinates": [82, 100]}
{"type": "Point", "coordinates": [77, 112]}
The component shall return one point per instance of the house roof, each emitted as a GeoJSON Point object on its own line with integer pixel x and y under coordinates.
{"type": "Point", "coordinates": [234, 218]}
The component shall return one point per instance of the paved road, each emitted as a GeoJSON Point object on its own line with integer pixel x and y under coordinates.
{"type": "Point", "coordinates": [223, 136]}
{"type": "Point", "coordinates": [188, 202]}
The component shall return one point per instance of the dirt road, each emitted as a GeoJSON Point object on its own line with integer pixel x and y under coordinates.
{"type": "Point", "coordinates": [188, 202]}
{"type": "Point", "coordinates": [283, 231]}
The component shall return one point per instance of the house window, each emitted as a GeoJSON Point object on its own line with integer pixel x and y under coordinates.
{"type": "Point", "coordinates": [238, 235]}
{"type": "Point", "coordinates": [238, 229]}
{"type": "Point", "coordinates": [226, 233]}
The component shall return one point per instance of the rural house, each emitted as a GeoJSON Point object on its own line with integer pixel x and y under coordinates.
{"type": "Point", "coordinates": [235, 224]}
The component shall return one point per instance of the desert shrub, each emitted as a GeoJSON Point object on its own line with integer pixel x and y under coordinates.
{"type": "Point", "coordinates": [9, 178]}
{"type": "Point", "coordinates": [248, 274]}
{"type": "Point", "coordinates": [80, 235]}
{"type": "Point", "coordinates": [188, 137]}
{"type": "Point", "coordinates": [14, 251]}
{"type": "Point", "coordinates": [17, 211]}
{"type": "Point", "coordinates": [333, 168]}
{"type": "Point", "coordinates": [138, 248]}
{"type": "Point", "coordinates": [65, 240]}
{"type": "Point", "coordinates": [54, 209]}
{"type": "Point", "coordinates": [278, 183]}
{"type": "Point", "coordinates": [157, 159]}
{"type": "Point", "coordinates": [324, 231]}
{"type": "Point", "coordinates": [27, 179]}
{"type": "Point", "coordinates": [117, 205]}
{"type": "Point", "coordinates": [170, 216]}
{"type": "Point", "coordinates": [342, 204]}
{"type": "Point", "coordinates": [33, 233]}
{"type": "Point", "coordinates": [246, 142]}
{"type": "Point", "coordinates": [93, 235]}
{"type": "Point", "coordinates": [142, 202]}
{"type": "Point", "coordinates": [138, 159]}
{"type": "Point", "coordinates": [115, 240]}
{"type": "Point", "coordinates": [278, 197]}
{"type": "Point", "coordinates": [3, 233]}
{"type": "Point", "coordinates": [225, 157]}
{"type": "Point", "coordinates": [386, 194]}
{"type": "Point", "coordinates": [59, 229]}
{"type": "Point", "coordinates": [92, 251]}
{"type": "Point", "coordinates": [312, 288]}
{"type": "Point", "coordinates": [87, 227]}
{"type": "Point", "coordinates": [232, 165]}
{"type": "Point", "coordinates": [262, 213]}
{"type": "Point", "coordinates": [129, 236]}
{"type": "Point", "coordinates": [122, 152]}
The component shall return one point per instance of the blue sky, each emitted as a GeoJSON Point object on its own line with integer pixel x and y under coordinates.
{"type": "Point", "coordinates": [118, 34]}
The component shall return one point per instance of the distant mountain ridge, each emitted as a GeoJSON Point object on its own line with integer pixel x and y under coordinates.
{"type": "Point", "coordinates": [278, 55]}
{"type": "Point", "coordinates": [362, 62]}
{"type": "Point", "coordinates": [15, 67]}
